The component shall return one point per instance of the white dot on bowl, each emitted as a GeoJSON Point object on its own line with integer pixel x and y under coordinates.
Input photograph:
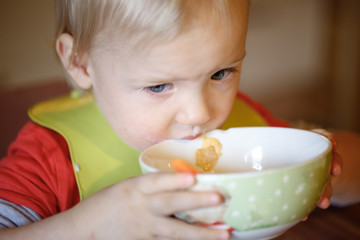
{"type": "Point", "coordinates": [293, 217]}
{"type": "Point", "coordinates": [285, 207]}
{"type": "Point", "coordinates": [286, 178]}
{"type": "Point", "coordinates": [252, 199]}
{"type": "Point", "coordinates": [299, 189]}
{"type": "Point", "coordinates": [312, 174]}
{"type": "Point", "coordinates": [259, 182]}
{"type": "Point", "coordinates": [232, 185]}
{"type": "Point", "coordinates": [304, 201]}
{"type": "Point", "coordinates": [275, 218]}
{"type": "Point", "coordinates": [235, 213]}
{"type": "Point", "coordinates": [278, 192]}
{"type": "Point", "coordinates": [256, 223]}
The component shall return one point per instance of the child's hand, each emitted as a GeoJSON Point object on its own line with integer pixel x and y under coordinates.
{"type": "Point", "coordinates": [141, 208]}
{"type": "Point", "coordinates": [336, 167]}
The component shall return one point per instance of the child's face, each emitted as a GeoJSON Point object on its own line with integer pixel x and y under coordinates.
{"type": "Point", "coordinates": [179, 89]}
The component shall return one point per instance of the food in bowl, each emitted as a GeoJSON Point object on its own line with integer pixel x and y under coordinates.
{"type": "Point", "coordinates": [271, 177]}
{"type": "Point", "coordinates": [206, 158]}
{"type": "Point", "coordinates": [209, 153]}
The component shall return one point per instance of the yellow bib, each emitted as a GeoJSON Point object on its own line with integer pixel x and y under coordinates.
{"type": "Point", "coordinates": [98, 156]}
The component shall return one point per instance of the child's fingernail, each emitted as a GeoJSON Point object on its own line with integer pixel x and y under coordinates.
{"type": "Point", "coordinates": [337, 170]}
{"type": "Point", "coordinates": [325, 203]}
{"type": "Point", "coordinates": [215, 198]}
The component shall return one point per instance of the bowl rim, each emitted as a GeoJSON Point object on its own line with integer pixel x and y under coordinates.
{"type": "Point", "coordinates": [247, 173]}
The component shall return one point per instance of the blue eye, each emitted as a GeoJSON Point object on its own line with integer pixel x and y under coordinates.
{"type": "Point", "coordinates": [219, 75]}
{"type": "Point", "coordinates": [159, 88]}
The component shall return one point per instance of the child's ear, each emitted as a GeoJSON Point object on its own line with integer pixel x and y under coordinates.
{"type": "Point", "coordinates": [77, 70]}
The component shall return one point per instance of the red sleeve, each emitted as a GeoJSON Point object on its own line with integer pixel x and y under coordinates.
{"type": "Point", "coordinates": [37, 173]}
{"type": "Point", "coordinates": [261, 110]}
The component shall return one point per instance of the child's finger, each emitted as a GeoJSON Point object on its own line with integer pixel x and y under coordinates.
{"type": "Point", "coordinates": [336, 164]}
{"type": "Point", "coordinates": [168, 203]}
{"type": "Point", "coordinates": [162, 182]}
{"type": "Point", "coordinates": [324, 201]}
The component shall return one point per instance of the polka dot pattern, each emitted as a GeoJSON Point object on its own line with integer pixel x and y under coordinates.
{"type": "Point", "coordinates": [271, 198]}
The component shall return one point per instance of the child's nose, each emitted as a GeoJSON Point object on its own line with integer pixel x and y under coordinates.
{"type": "Point", "coordinates": [194, 111]}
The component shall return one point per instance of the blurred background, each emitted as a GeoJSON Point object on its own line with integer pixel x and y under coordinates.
{"type": "Point", "coordinates": [302, 63]}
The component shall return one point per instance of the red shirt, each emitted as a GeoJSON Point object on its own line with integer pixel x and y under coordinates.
{"type": "Point", "coordinates": [38, 173]}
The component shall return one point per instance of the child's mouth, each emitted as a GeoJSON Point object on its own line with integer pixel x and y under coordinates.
{"type": "Point", "coordinates": [192, 137]}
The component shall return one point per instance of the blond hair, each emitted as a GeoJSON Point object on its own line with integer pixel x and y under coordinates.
{"type": "Point", "coordinates": [139, 22]}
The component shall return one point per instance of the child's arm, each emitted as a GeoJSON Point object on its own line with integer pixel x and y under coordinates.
{"type": "Point", "coordinates": [138, 208]}
{"type": "Point", "coordinates": [14, 215]}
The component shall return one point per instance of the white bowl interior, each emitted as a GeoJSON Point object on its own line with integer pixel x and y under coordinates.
{"type": "Point", "coordinates": [243, 149]}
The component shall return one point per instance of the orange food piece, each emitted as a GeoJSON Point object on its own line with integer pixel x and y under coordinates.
{"type": "Point", "coordinates": [182, 166]}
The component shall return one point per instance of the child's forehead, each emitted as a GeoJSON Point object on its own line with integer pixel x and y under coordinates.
{"type": "Point", "coordinates": [199, 51]}
{"type": "Point", "coordinates": [230, 18]}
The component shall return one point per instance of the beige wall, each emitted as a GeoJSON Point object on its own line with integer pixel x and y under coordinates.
{"type": "Point", "coordinates": [304, 58]}
{"type": "Point", "coordinates": [302, 55]}
{"type": "Point", "coordinates": [287, 49]}
{"type": "Point", "coordinates": [26, 53]}
{"type": "Point", "coordinates": [346, 66]}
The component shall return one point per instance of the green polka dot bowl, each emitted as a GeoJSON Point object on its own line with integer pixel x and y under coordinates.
{"type": "Point", "coordinates": [271, 177]}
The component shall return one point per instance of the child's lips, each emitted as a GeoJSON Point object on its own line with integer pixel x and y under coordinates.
{"type": "Point", "coordinates": [192, 137]}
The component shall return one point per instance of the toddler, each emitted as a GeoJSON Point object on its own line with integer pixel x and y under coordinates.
{"type": "Point", "coordinates": [146, 71]}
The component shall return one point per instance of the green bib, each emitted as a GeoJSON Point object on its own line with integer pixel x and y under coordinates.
{"type": "Point", "coordinates": [98, 156]}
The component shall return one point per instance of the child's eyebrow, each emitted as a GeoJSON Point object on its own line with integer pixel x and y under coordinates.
{"type": "Point", "coordinates": [238, 60]}
{"type": "Point", "coordinates": [234, 63]}
{"type": "Point", "coordinates": [160, 79]}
